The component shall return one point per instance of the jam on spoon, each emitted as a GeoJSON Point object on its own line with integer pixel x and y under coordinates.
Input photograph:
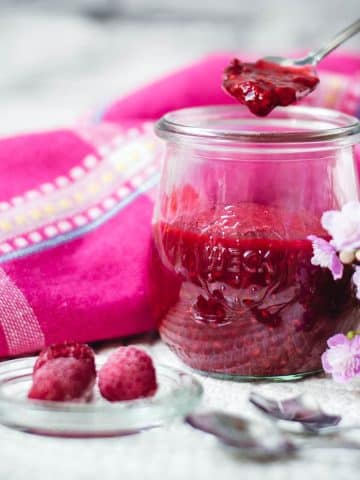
{"type": "Point", "coordinates": [273, 81]}
{"type": "Point", "coordinates": [264, 85]}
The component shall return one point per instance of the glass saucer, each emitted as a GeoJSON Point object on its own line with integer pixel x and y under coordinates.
{"type": "Point", "coordinates": [177, 395]}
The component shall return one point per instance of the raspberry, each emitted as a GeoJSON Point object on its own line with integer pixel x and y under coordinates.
{"type": "Point", "coordinates": [63, 379]}
{"type": "Point", "coordinates": [75, 350]}
{"type": "Point", "coordinates": [128, 374]}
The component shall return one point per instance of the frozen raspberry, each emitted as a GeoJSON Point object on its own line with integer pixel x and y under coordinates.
{"type": "Point", "coordinates": [75, 350]}
{"type": "Point", "coordinates": [63, 379]}
{"type": "Point", "coordinates": [128, 374]}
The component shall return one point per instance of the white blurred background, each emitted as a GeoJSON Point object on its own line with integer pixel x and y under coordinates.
{"type": "Point", "coordinates": [61, 58]}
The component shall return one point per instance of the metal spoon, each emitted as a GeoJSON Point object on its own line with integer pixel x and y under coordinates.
{"type": "Point", "coordinates": [252, 439]}
{"type": "Point", "coordinates": [313, 58]}
{"type": "Point", "coordinates": [259, 440]}
{"type": "Point", "coordinates": [301, 409]}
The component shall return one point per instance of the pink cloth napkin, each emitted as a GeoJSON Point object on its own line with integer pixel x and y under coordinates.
{"type": "Point", "coordinates": [76, 206]}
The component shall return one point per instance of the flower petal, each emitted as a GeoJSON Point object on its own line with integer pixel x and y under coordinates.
{"type": "Point", "coordinates": [356, 366]}
{"type": "Point", "coordinates": [352, 210]}
{"type": "Point", "coordinates": [340, 377]}
{"type": "Point", "coordinates": [325, 362]}
{"type": "Point", "coordinates": [355, 345]}
{"type": "Point", "coordinates": [336, 267]}
{"type": "Point", "coordinates": [338, 339]}
{"type": "Point", "coordinates": [356, 281]}
{"type": "Point", "coordinates": [330, 219]}
{"type": "Point", "coordinates": [342, 359]}
{"type": "Point", "coordinates": [343, 226]}
{"type": "Point", "coordinates": [324, 255]}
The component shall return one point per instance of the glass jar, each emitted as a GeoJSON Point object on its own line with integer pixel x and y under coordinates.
{"type": "Point", "coordinates": [238, 197]}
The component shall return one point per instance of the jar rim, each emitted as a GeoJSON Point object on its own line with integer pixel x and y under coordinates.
{"type": "Point", "coordinates": [207, 123]}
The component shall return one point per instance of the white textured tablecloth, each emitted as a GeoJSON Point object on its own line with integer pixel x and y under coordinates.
{"type": "Point", "coordinates": [177, 451]}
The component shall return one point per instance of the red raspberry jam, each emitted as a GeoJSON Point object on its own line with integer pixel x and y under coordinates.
{"type": "Point", "coordinates": [263, 85]}
{"type": "Point", "coordinates": [250, 302]}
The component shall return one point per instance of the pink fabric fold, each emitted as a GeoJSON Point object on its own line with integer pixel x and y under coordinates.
{"type": "Point", "coordinates": [76, 207]}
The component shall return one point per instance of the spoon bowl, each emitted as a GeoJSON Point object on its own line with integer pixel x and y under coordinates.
{"type": "Point", "coordinates": [296, 409]}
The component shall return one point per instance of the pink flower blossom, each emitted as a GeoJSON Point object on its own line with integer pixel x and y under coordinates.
{"type": "Point", "coordinates": [342, 358]}
{"type": "Point", "coordinates": [344, 226]}
{"type": "Point", "coordinates": [356, 281]}
{"type": "Point", "coordinates": [325, 256]}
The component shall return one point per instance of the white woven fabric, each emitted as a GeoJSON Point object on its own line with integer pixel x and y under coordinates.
{"type": "Point", "coordinates": [176, 452]}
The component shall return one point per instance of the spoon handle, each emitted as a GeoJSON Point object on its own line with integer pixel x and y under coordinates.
{"type": "Point", "coordinates": [314, 57]}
